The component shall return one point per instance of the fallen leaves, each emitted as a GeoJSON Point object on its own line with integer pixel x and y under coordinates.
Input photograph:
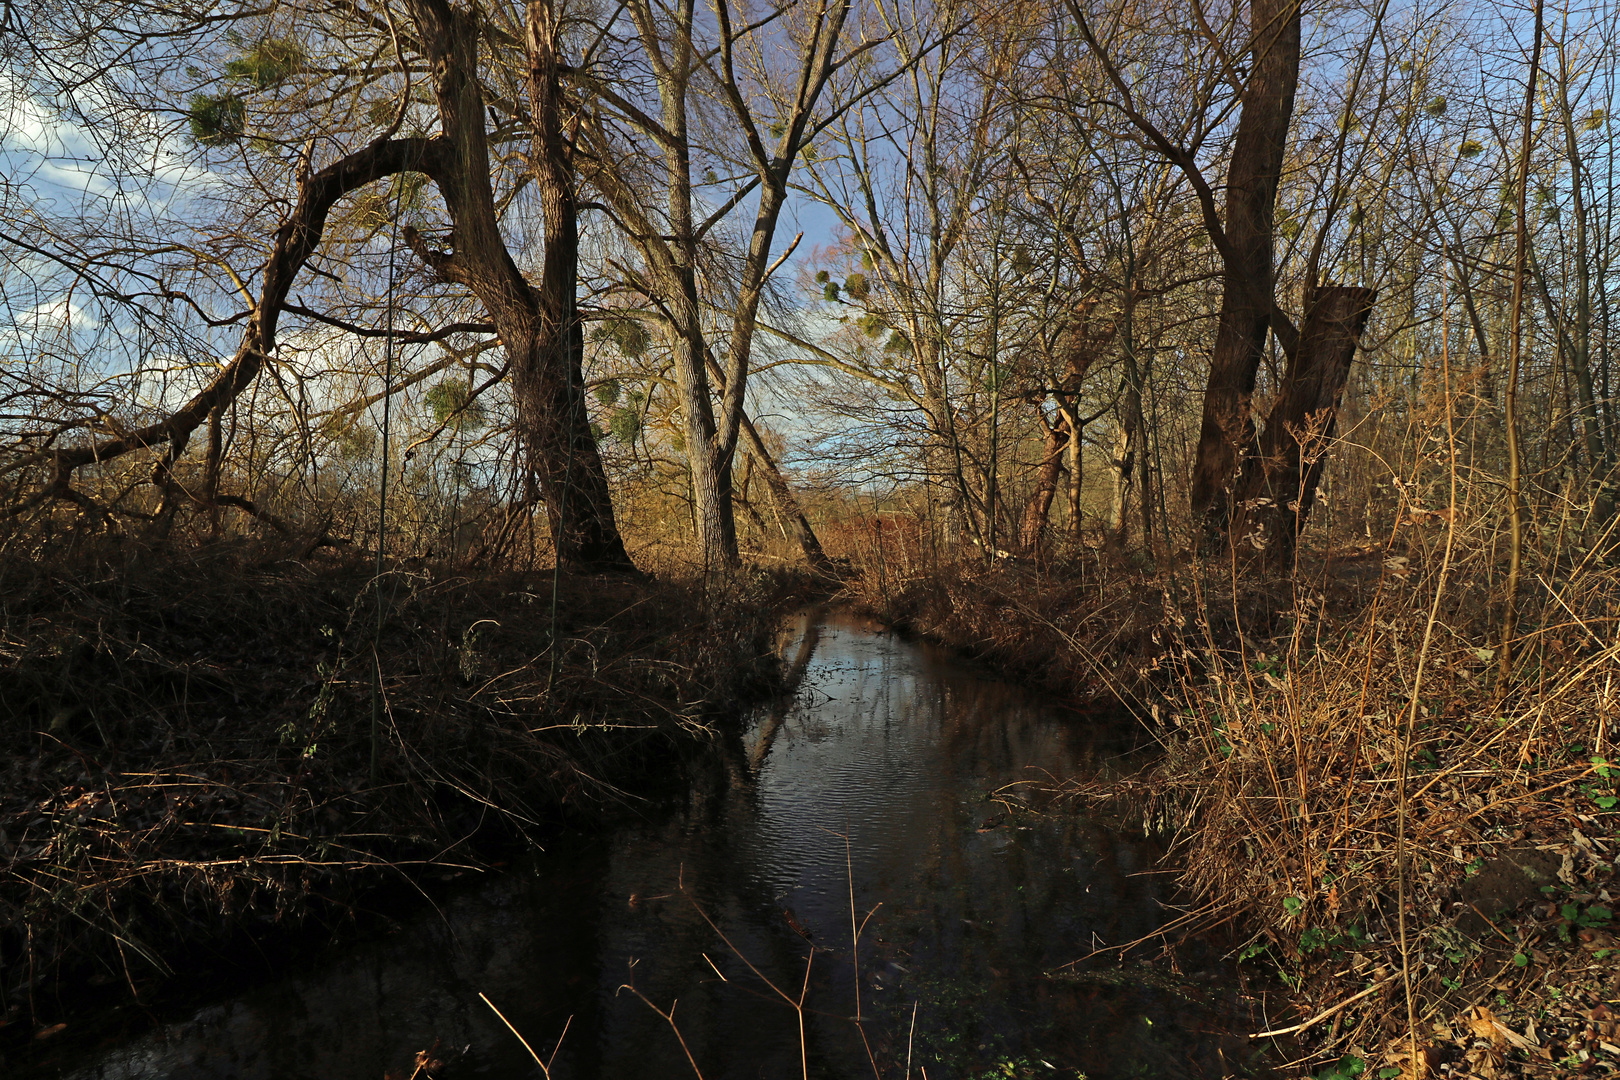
{"type": "Point", "coordinates": [1484, 1024]}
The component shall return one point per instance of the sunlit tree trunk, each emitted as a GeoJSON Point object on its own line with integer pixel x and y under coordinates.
{"type": "Point", "coordinates": [1278, 483]}
{"type": "Point", "coordinates": [1032, 524]}
{"type": "Point", "coordinates": [1123, 466]}
{"type": "Point", "coordinates": [1073, 459]}
{"type": "Point", "coordinates": [1247, 298]}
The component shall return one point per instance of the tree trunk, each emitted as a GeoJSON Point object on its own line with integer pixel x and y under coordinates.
{"type": "Point", "coordinates": [1123, 463]}
{"type": "Point", "coordinates": [944, 456]}
{"type": "Point", "coordinates": [1072, 452]}
{"type": "Point", "coordinates": [713, 522]}
{"type": "Point", "coordinates": [550, 389]}
{"type": "Point", "coordinates": [1580, 355]}
{"type": "Point", "coordinates": [1081, 342]}
{"type": "Point", "coordinates": [1137, 453]}
{"type": "Point", "coordinates": [1247, 298]}
{"type": "Point", "coordinates": [1032, 527]}
{"type": "Point", "coordinates": [1278, 482]}
{"type": "Point", "coordinates": [787, 506]}
{"type": "Point", "coordinates": [539, 327]}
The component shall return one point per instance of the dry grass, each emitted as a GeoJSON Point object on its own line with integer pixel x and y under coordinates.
{"type": "Point", "coordinates": [190, 737]}
{"type": "Point", "coordinates": [1304, 755]}
{"type": "Point", "coordinates": [1352, 789]}
{"type": "Point", "coordinates": [1086, 626]}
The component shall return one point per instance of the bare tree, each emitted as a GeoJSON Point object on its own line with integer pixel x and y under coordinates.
{"type": "Point", "coordinates": [693, 69]}
{"type": "Point", "coordinates": [1245, 237]}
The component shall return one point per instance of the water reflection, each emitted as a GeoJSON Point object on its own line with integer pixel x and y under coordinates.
{"type": "Point", "coordinates": [890, 791]}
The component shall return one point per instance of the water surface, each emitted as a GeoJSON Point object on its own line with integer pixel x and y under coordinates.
{"type": "Point", "coordinates": [891, 793]}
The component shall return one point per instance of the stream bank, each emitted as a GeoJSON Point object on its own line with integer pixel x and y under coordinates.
{"type": "Point", "coordinates": [200, 761]}
{"type": "Point", "coordinates": [1351, 778]}
{"type": "Point", "coordinates": [876, 877]}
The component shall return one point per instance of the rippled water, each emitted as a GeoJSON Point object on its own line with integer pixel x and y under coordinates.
{"type": "Point", "coordinates": [891, 784]}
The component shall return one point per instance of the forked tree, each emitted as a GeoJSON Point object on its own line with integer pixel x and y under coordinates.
{"type": "Point", "coordinates": [1249, 490]}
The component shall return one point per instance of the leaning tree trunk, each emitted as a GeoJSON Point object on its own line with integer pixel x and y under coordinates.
{"type": "Point", "coordinates": [296, 241]}
{"type": "Point", "coordinates": [786, 504]}
{"type": "Point", "coordinates": [1247, 298]}
{"type": "Point", "coordinates": [1278, 482]}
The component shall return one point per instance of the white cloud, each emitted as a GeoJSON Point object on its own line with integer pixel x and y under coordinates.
{"type": "Point", "coordinates": [56, 166]}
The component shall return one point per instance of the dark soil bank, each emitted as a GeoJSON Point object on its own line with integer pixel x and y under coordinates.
{"type": "Point", "coordinates": [882, 845]}
{"type": "Point", "coordinates": [199, 752]}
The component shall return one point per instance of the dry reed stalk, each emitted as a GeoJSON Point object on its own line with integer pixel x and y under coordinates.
{"type": "Point", "coordinates": [1356, 754]}
{"type": "Point", "coordinates": [545, 1067]}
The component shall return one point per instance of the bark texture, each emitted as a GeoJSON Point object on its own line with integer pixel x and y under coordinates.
{"type": "Point", "coordinates": [1032, 526]}
{"type": "Point", "coordinates": [538, 326]}
{"type": "Point", "coordinates": [1247, 298]}
{"type": "Point", "coordinates": [1278, 482]}
{"type": "Point", "coordinates": [552, 389]}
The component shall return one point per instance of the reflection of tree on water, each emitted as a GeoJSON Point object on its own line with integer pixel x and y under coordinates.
{"type": "Point", "coordinates": [809, 635]}
{"type": "Point", "coordinates": [890, 747]}
{"type": "Point", "coordinates": [893, 745]}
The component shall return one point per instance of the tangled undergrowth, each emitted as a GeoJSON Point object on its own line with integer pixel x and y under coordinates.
{"type": "Point", "coordinates": [198, 748]}
{"type": "Point", "coordinates": [1085, 627]}
{"type": "Point", "coordinates": [1306, 762]}
{"type": "Point", "coordinates": [1421, 844]}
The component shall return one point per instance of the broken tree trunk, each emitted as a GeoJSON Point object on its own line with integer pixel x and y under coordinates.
{"type": "Point", "coordinates": [1247, 297]}
{"type": "Point", "coordinates": [1278, 482]}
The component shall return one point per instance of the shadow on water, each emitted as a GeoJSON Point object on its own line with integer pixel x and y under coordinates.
{"type": "Point", "coordinates": [893, 780]}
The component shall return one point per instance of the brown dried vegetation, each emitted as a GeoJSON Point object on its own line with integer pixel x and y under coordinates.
{"type": "Point", "coordinates": [1285, 710]}
{"type": "Point", "coordinates": [189, 737]}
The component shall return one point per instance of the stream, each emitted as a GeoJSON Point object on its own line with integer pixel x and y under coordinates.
{"type": "Point", "coordinates": [896, 791]}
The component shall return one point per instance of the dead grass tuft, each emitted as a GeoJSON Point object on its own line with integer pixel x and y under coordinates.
{"type": "Point", "coordinates": [1318, 786]}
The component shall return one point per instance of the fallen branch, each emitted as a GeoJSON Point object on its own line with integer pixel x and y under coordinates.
{"type": "Point", "coordinates": [1319, 1017]}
